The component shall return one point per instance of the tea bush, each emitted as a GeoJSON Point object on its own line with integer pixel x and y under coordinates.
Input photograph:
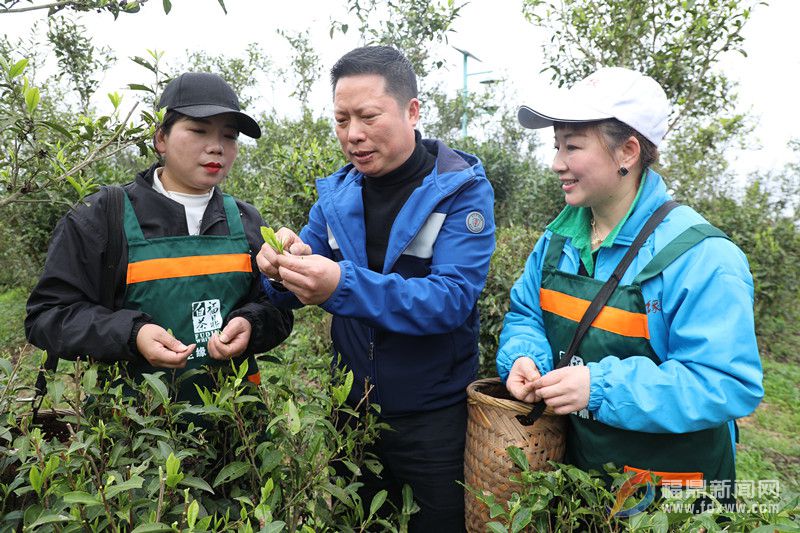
{"type": "Point", "coordinates": [251, 458]}
{"type": "Point", "coordinates": [569, 499]}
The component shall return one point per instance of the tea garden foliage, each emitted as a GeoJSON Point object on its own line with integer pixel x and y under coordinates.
{"type": "Point", "coordinates": [261, 458]}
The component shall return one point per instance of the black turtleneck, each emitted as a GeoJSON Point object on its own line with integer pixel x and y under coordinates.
{"type": "Point", "coordinates": [384, 196]}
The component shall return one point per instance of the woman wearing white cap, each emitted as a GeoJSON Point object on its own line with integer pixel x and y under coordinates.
{"type": "Point", "coordinates": [654, 335]}
{"type": "Point", "coordinates": [160, 274]}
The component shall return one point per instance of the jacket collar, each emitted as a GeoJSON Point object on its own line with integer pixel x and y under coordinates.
{"type": "Point", "coordinates": [573, 222]}
{"type": "Point", "coordinates": [653, 195]}
{"type": "Point", "coordinates": [214, 213]}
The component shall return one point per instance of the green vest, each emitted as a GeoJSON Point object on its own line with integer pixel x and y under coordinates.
{"type": "Point", "coordinates": [189, 284]}
{"type": "Point", "coordinates": [621, 330]}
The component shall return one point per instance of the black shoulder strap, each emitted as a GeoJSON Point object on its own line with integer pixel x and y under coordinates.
{"type": "Point", "coordinates": [113, 208]}
{"type": "Point", "coordinates": [114, 212]}
{"type": "Point", "coordinates": [602, 297]}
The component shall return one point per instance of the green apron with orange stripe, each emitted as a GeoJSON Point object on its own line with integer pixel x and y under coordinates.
{"type": "Point", "coordinates": [621, 330]}
{"type": "Point", "coordinates": [189, 284]}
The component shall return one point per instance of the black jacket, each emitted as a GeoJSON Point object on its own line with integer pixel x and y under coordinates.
{"type": "Point", "coordinates": [65, 315]}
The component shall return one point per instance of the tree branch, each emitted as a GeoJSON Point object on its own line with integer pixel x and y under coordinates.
{"type": "Point", "coordinates": [63, 3]}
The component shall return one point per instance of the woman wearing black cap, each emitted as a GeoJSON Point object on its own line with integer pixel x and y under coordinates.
{"type": "Point", "coordinates": [185, 292]}
{"type": "Point", "coordinates": [633, 315]}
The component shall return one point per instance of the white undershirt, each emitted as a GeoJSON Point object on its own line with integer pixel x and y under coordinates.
{"type": "Point", "coordinates": [194, 205]}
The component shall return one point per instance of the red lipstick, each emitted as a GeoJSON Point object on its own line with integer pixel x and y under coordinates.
{"type": "Point", "coordinates": [212, 167]}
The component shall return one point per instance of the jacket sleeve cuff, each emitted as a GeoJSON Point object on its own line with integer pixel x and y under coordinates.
{"type": "Point", "coordinates": [137, 326]}
{"type": "Point", "coordinates": [597, 386]}
{"type": "Point", "coordinates": [505, 364]}
{"type": "Point", "coordinates": [339, 294]}
{"type": "Point", "coordinates": [279, 295]}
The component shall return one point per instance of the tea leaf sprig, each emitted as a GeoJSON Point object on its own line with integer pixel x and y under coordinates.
{"type": "Point", "coordinates": [271, 239]}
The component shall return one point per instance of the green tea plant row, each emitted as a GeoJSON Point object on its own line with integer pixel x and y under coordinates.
{"type": "Point", "coordinates": [250, 458]}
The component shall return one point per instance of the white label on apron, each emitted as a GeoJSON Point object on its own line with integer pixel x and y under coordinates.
{"type": "Point", "coordinates": [206, 318]}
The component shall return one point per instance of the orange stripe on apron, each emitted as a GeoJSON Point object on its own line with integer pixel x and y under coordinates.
{"type": "Point", "coordinates": [179, 267]}
{"type": "Point", "coordinates": [611, 319]}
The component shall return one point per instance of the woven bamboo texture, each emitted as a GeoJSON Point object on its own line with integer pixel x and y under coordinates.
{"type": "Point", "coordinates": [491, 428]}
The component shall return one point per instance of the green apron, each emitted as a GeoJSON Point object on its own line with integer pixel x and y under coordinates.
{"type": "Point", "coordinates": [189, 284]}
{"type": "Point", "coordinates": [621, 330]}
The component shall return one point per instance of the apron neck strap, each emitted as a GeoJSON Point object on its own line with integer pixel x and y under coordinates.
{"type": "Point", "coordinates": [133, 231]}
{"type": "Point", "coordinates": [554, 249]}
{"type": "Point", "coordinates": [235, 226]}
{"type": "Point", "coordinates": [675, 249]}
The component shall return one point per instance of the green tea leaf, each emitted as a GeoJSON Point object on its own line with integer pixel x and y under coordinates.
{"type": "Point", "coordinates": [153, 528]}
{"type": "Point", "coordinates": [134, 482]}
{"type": "Point", "coordinates": [293, 417]}
{"type": "Point", "coordinates": [35, 477]}
{"type": "Point", "coordinates": [49, 518]}
{"type": "Point", "coordinates": [196, 483]}
{"type": "Point", "coordinates": [32, 99]}
{"type": "Point", "coordinates": [519, 457]}
{"type": "Point", "coordinates": [158, 387]}
{"type": "Point", "coordinates": [17, 68]}
{"type": "Point", "coordinates": [174, 476]}
{"type": "Point", "coordinates": [232, 471]}
{"type": "Point", "coordinates": [377, 502]}
{"type": "Point", "coordinates": [140, 87]}
{"type": "Point", "coordinates": [191, 513]}
{"type": "Point", "coordinates": [496, 527]}
{"type": "Point", "coordinates": [83, 498]}
{"type": "Point", "coordinates": [521, 520]}
{"type": "Point", "coordinates": [270, 238]}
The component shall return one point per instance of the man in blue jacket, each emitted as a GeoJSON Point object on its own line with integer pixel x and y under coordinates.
{"type": "Point", "coordinates": [397, 249]}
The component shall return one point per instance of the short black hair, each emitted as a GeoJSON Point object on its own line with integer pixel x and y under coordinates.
{"type": "Point", "coordinates": [385, 61]}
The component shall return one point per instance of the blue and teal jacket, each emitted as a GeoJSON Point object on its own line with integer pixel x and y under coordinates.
{"type": "Point", "coordinates": [412, 329]}
{"type": "Point", "coordinates": [700, 320]}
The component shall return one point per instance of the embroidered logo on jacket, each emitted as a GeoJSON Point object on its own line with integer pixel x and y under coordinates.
{"type": "Point", "coordinates": [475, 222]}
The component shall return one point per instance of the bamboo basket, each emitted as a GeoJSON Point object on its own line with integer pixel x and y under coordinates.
{"type": "Point", "coordinates": [491, 428]}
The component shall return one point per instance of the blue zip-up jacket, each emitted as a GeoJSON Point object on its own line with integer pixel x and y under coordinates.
{"type": "Point", "coordinates": [411, 330]}
{"type": "Point", "coordinates": [700, 319]}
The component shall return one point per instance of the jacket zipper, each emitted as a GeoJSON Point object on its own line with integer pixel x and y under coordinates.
{"type": "Point", "coordinates": [371, 344]}
{"type": "Point", "coordinates": [374, 366]}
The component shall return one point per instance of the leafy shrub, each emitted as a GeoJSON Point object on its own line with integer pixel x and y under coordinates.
{"type": "Point", "coordinates": [569, 499]}
{"type": "Point", "coordinates": [514, 245]}
{"type": "Point", "coordinates": [250, 458]}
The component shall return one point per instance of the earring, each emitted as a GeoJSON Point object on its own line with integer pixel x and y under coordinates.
{"type": "Point", "coordinates": [623, 171]}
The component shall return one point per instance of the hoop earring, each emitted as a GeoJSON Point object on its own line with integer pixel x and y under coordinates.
{"type": "Point", "coordinates": [623, 171]}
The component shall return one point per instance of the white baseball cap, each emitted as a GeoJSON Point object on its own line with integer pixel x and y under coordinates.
{"type": "Point", "coordinates": [611, 92]}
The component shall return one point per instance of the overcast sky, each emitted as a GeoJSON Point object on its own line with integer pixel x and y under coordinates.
{"type": "Point", "coordinates": [493, 30]}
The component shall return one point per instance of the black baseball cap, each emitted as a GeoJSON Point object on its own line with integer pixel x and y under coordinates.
{"type": "Point", "coordinates": [201, 95]}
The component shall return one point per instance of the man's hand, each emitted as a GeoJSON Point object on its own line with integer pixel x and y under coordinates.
{"type": "Point", "coordinates": [232, 341]}
{"type": "Point", "coordinates": [521, 380]}
{"type": "Point", "coordinates": [267, 258]}
{"type": "Point", "coordinates": [566, 389]}
{"type": "Point", "coordinates": [312, 278]}
{"type": "Point", "coordinates": [161, 349]}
